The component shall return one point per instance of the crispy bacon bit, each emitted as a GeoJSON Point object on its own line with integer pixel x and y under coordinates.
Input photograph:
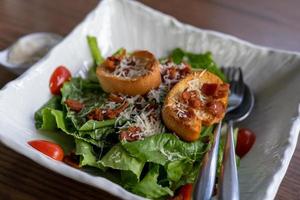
{"type": "Point", "coordinates": [126, 71]}
{"type": "Point", "coordinates": [187, 114]}
{"type": "Point", "coordinates": [191, 98]}
{"type": "Point", "coordinates": [115, 98]}
{"type": "Point", "coordinates": [111, 63]}
{"type": "Point", "coordinates": [222, 90]}
{"type": "Point", "coordinates": [101, 114]}
{"type": "Point", "coordinates": [184, 71]}
{"type": "Point", "coordinates": [186, 96]}
{"type": "Point", "coordinates": [152, 106]}
{"type": "Point", "coordinates": [195, 102]}
{"type": "Point", "coordinates": [171, 72]}
{"type": "Point", "coordinates": [72, 159]}
{"type": "Point", "coordinates": [193, 93]}
{"type": "Point", "coordinates": [96, 114]}
{"type": "Point", "coordinates": [131, 134]}
{"type": "Point", "coordinates": [174, 72]}
{"type": "Point", "coordinates": [110, 114]}
{"type": "Point", "coordinates": [122, 107]}
{"type": "Point", "coordinates": [215, 90]}
{"type": "Point", "coordinates": [134, 129]}
{"type": "Point", "coordinates": [190, 113]}
{"type": "Point", "coordinates": [216, 108]}
{"type": "Point", "coordinates": [74, 105]}
{"type": "Point", "coordinates": [131, 63]}
{"type": "Point", "coordinates": [209, 89]}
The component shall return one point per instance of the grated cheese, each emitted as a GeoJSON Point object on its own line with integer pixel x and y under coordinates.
{"type": "Point", "coordinates": [171, 156]}
{"type": "Point", "coordinates": [139, 113]}
{"type": "Point", "coordinates": [195, 86]}
{"type": "Point", "coordinates": [130, 67]}
{"type": "Point", "coordinates": [165, 72]}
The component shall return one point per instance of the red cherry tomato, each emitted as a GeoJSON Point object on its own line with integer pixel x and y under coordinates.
{"type": "Point", "coordinates": [184, 193]}
{"type": "Point", "coordinates": [245, 141]}
{"type": "Point", "coordinates": [48, 148]}
{"type": "Point", "coordinates": [60, 75]}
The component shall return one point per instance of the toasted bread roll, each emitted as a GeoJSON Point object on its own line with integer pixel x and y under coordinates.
{"type": "Point", "coordinates": [132, 75]}
{"type": "Point", "coordinates": [198, 99]}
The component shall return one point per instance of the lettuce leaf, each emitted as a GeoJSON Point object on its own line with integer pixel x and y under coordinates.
{"type": "Point", "coordinates": [86, 153]}
{"type": "Point", "coordinates": [176, 169]}
{"type": "Point", "coordinates": [97, 134]}
{"type": "Point", "coordinates": [180, 159]}
{"type": "Point", "coordinates": [149, 187]}
{"type": "Point", "coordinates": [78, 88]}
{"type": "Point", "coordinates": [93, 125]}
{"type": "Point", "coordinates": [98, 137]}
{"type": "Point", "coordinates": [197, 61]}
{"type": "Point", "coordinates": [189, 176]}
{"type": "Point", "coordinates": [128, 179]}
{"type": "Point", "coordinates": [97, 57]}
{"type": "Point", "coordinates": [56, 120]}
{"type": "Point", "coordinates": [43, 117]}
{"type": "Point", "coordinates": [118, 158]}
{"type": "Point", "coordinates": [85, 91]}
{"type": "Point", "coordinates": [95, 51]}
{"type": "Point", "coordinates": [163, 148]}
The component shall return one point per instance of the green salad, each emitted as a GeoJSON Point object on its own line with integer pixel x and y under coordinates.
{"type": "Point", "coordinates": [156, 163]}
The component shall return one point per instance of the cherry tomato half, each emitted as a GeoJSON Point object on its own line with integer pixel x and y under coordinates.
{"type": "Point", "coordinates": [184, 193]}
{"type": "Point", "coordinates": [245, 141]}
{"type": "Point", "coordinates": [48, 148]}
{"type": "Point", "coordinates": [60, 75]}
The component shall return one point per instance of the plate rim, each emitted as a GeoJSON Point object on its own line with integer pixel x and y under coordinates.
{"type": "Point", "coordinates": [288, 152]}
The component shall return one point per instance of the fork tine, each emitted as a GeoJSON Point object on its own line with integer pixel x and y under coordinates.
{"type": "Point", "coordinates": [232, 73]}
{"type": "Point", "coordinates": [237, 74]}
{"type": "Point", "coordinates": [240, 82]}
{"type": "Point", "coordinates": [240, 79]}
{"type": "Point", "coordinates": [233, 87]}
{"type": "Point", "coordinates": [225, 71]}
{"type": "Point", "coordinates": [228, 73]}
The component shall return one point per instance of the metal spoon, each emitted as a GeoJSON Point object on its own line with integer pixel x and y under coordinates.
{"type": "Point", "coordinates": [204, 185]}
{"type": "Point", "coordinates": [229, 185]}
{"type": "Point", "coordinates": [27, 50]}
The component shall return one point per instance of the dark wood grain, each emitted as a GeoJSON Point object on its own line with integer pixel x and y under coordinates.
{"type": "Point", "coordinates": [273, 23]}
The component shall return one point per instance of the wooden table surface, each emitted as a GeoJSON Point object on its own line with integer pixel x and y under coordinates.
{"type": "Point", "coordinates": [273, 23]}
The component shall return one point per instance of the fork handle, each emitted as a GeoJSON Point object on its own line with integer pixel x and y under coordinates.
{"type": "Point", "coordinates": [229, 185]}
{"type": "Point", "coordinates": [204, 185]}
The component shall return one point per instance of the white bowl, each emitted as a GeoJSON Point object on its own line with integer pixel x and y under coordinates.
{"type": "Point", "coordinates": [272, 74]}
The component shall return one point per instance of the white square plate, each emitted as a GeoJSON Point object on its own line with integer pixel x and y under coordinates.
{"type": "Point", "coordinates": [272, 74]}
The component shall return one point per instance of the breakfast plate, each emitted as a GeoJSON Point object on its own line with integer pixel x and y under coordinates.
{"type": "Point", "coordinates": [271, 73]}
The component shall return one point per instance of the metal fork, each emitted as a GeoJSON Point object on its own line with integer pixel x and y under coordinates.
{"type": "Point", "coordinates": [203, 188]}
{"type": "Point", "coordinates": [237, 87]}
